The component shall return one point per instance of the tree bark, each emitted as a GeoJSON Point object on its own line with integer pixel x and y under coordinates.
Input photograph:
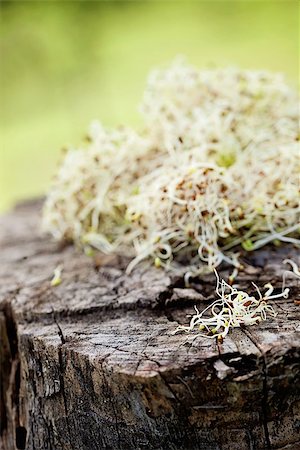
{"type": "Point", "coordinates": [92, 364]}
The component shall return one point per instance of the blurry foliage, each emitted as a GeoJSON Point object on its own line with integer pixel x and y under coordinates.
{"type": "Point", "coordinates": [64, 63]}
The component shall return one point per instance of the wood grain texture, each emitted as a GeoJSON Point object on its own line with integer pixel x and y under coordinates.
{"type": "Point", "coordinates": [92, 364]}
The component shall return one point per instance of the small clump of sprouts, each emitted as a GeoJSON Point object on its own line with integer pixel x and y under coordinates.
{"type": "Point", "coordinates": [215, 169]}
{"type": "Point", "coordinates": [233, 308]}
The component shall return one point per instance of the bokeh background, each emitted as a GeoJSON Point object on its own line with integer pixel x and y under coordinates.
{"type": "Point", "coordinates": [65, 63]}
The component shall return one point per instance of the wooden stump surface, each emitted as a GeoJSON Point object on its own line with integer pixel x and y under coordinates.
{"type": "Point", "coordinates": [92, 364]}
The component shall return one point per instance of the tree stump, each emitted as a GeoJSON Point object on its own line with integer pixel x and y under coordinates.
{"type": "Point", "coordinates": [92, 364]}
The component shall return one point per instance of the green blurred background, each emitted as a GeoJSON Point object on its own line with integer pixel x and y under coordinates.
{"type": "Point", "coordinates": [64, 63]}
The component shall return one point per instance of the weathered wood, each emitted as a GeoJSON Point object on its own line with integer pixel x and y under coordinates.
{"type": "Point", "coordinates": [93, 364]}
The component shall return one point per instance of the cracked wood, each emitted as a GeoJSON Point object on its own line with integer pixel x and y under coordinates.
{"type": "Point", "coordinates": [93, 364]}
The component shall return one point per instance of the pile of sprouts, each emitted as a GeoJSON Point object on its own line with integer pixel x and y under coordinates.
{"type": "Point", "coordinates": [214, 169]}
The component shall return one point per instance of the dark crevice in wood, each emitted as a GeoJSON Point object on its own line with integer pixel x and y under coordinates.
{"type": "Point", "coordinates": [241, 364]}
{"type": "Point", "coordinates": [11, 328]}
{"type": "Point", "coordinates": [21, 434]}
{"type": "Point", "coordinates": [59, 330]}
{"type": "Point", "coordinates": [10, 376]}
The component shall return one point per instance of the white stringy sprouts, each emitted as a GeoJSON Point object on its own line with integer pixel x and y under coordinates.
{"type": "Point", "coordinates": [233, 308]}
{"type": "Point", "coordinates": [217, 166]}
